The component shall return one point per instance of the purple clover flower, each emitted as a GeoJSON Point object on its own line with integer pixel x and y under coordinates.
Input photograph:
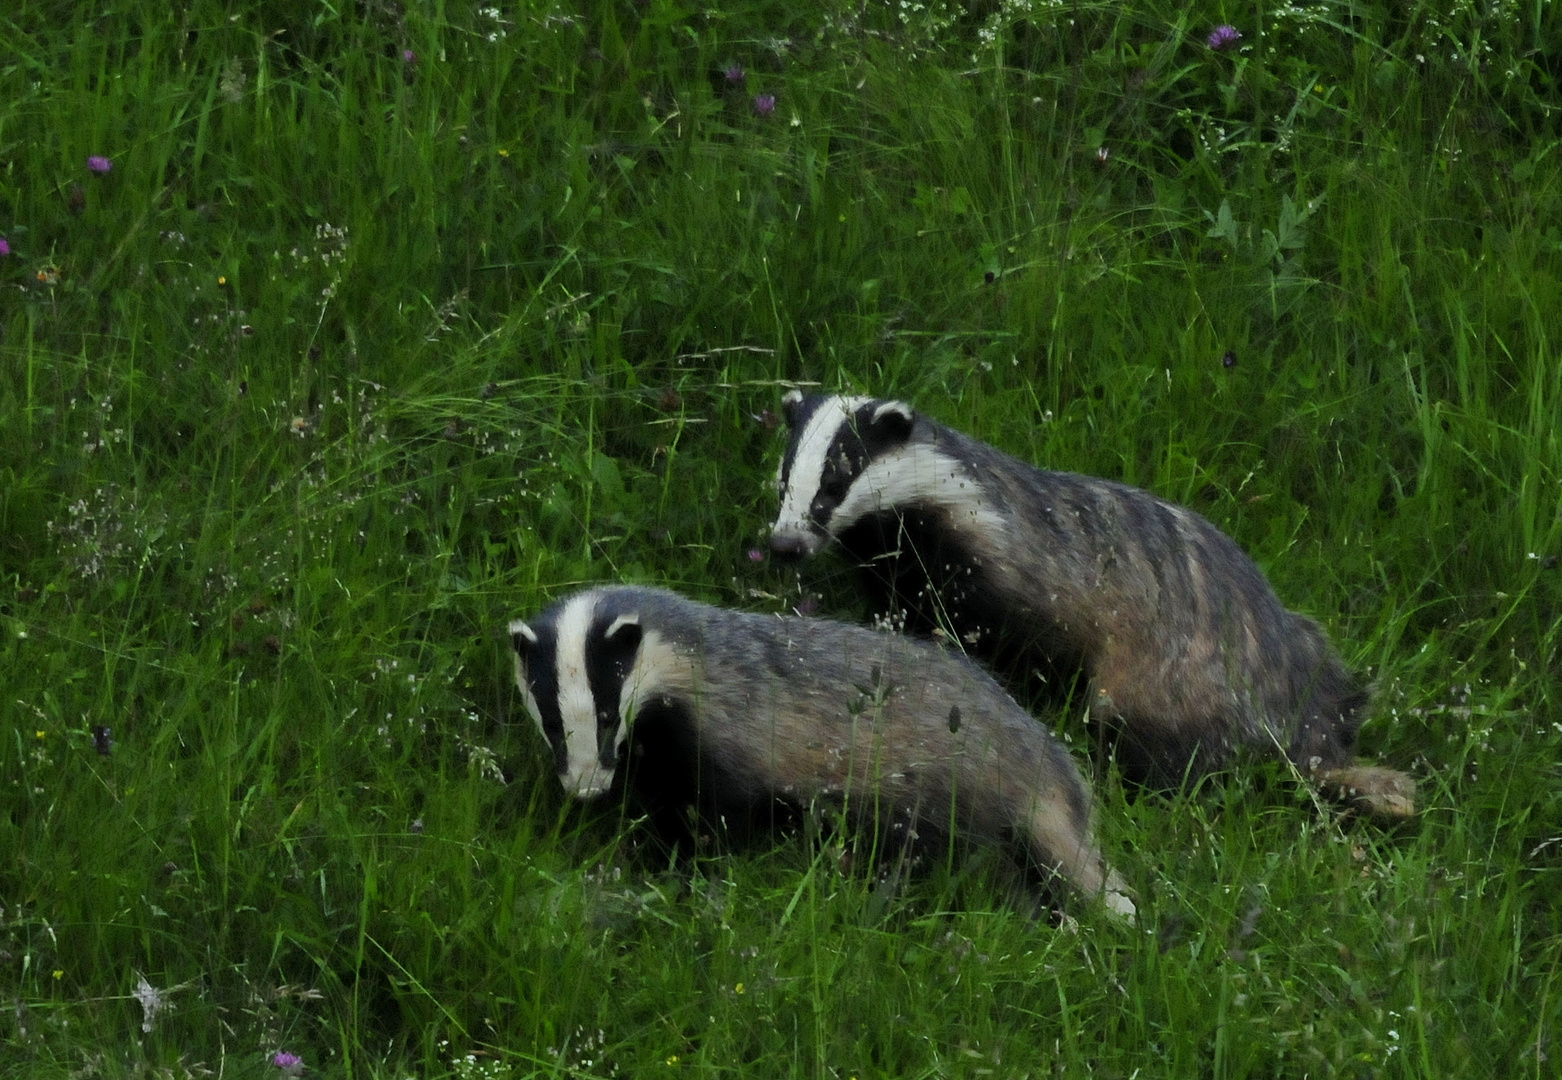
{"type": "Point", "coordinates": [99, 164]}
{"type": "Point", "coordinates": [5, 248]}
{"type": "Point", "coordinates": [1223, 37]}
{"type": "Point", "coordinates": [756, 555]}
{"type": "Point", "coordinates": [291, 1064]}
{"type": "Point", "coordinates": [408, 56]}
{"type": "Point", "coordinates": [735, 74]}
{"type": "Point", "coordinates": [765, 104]}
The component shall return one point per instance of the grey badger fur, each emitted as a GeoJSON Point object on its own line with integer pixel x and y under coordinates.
{"type": "Point", "coordinates": [1188, 653]}
{"type": "Point", "coordinates": [767, 708]}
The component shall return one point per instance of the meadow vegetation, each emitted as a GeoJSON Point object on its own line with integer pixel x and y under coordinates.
{"type": "Point", "coordinates": [381, 322]}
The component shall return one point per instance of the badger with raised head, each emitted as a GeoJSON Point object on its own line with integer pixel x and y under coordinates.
{"type": "Point", "coordinates": [1188, 653]}
{"type": "Point", "coordinates": [753, 709]}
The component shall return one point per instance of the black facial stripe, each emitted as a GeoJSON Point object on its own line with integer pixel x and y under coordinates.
{"type": "Point", "coordinates": [850, 451]}
{"type": "Point", "coordinates": [540, 662]}
{"type": "Point", "coordinates": [608, 661]}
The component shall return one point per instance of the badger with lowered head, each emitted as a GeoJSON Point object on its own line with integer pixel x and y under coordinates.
{"type": "Point", "coordinates": [760, 708]}
{"type": "Point", "coordinates": [1189, 655]}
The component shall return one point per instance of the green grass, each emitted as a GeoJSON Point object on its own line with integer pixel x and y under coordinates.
{"type": "Point", "coordinates": [349, 359]}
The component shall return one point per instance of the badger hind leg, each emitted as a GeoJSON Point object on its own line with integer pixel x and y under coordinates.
{"type": "Point", "coordinates": [1382, 792]}
{"type": "Point", "coordinates": [1059, 843]}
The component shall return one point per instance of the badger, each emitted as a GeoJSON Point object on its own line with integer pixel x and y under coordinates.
{"type": "Point", "coordinates": [1189, 658]}
{"type": "Point", "coordinates": [892, 731]}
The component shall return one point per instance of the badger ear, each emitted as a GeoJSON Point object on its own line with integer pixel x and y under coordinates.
{"type": "Point", "coordinates": [622, 641]}
{"type": "Point", "coordinates": [622, 624]}
{"type": "Point", "coordinates": [789, 403]}
{"type": "Point", "coordinates": [624, 632]}
{"type": "Point", "coordinates": [892, 419]}
{"type": "Point", "coordinates": [522, 637]}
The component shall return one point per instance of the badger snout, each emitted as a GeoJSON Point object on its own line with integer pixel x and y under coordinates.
{"type": "Point", "coordinates": [591, 784]}
{"type": "Point", "coordinates": [791, 547]}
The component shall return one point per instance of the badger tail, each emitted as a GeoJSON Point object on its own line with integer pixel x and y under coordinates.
{"type": "Point", "coordinates": [1114, 894]}
{"type": "Point", "coordinates": [1381, 792]}
{"type": "Point", "coordinates": [1062, 842]}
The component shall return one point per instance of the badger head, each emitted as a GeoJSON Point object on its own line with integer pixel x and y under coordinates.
{"type": "Point", "coordinates": [827, 479]}
{"type": "Point", "coordinates": [576, 669]}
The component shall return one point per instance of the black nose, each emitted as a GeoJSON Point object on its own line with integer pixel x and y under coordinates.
{"type": "Point", "coordinates": [788, 548]}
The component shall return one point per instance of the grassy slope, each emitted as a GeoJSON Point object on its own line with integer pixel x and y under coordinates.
{"type": "Point", "coordinates": [350, 358]}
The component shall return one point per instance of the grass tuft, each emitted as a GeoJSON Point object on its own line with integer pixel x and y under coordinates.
{"type": "Point", "coordinates": [389, 322]}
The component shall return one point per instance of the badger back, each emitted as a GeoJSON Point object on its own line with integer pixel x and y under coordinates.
{"type": "Point", "coordinates": [584, 668]}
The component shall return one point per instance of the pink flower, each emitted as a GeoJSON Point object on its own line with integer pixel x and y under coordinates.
{"type": "Point", "coordinates": [408, 56]}
{"type": "Point", "coordinates": [291, 1064]}
{"type": "Point", "coordinates": [5, 248]}
{"type": "Point", "coordinates": [735, 74]}
{"type": "Point", "coordinates": [1223, 37]}
{"type": "Point", "coordinates": [765, 104]}
{"type": "Point", "coordinates": [99, 164]}
{"type": "Point", "coordinates": [755, 555]}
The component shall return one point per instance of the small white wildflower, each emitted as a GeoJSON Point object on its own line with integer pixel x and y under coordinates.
{"type": "Point", "coordinates": [153, 1001]}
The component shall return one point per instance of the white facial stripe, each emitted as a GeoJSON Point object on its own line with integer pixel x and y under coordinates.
{"type": "Point", "coordinates": [916, 474]}
{"type": "Point", "coordinates": [659, 668]}
{"type": "Point", "coordinates": [583, 775]}
{"type": "Point", "coordinates": [813, 447]}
